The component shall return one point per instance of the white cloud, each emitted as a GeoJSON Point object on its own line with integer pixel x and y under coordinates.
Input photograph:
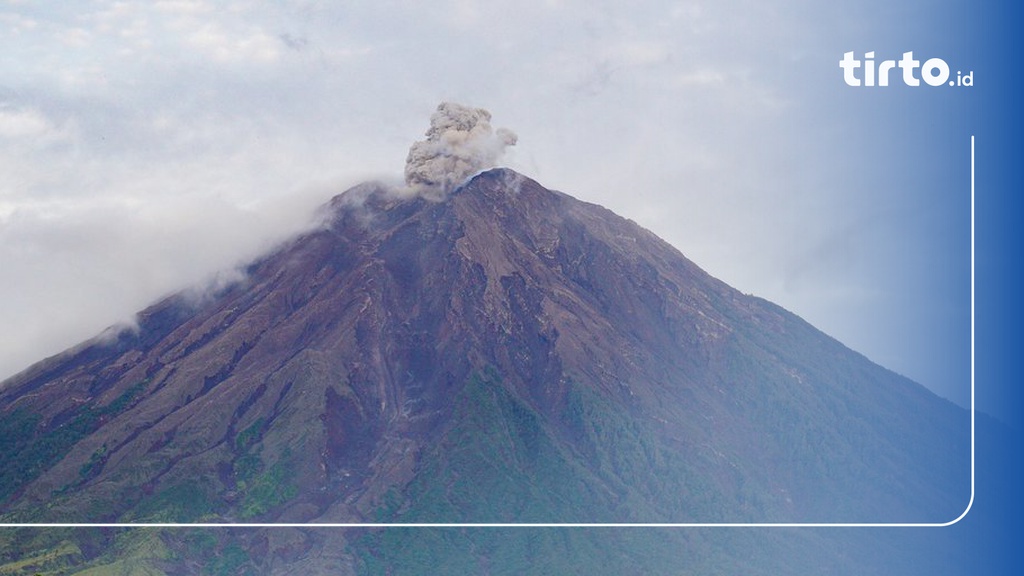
{"type": "Point", "coordinates": [18, 24]}
{"type": "Point", "coordinates": [253, 46]}
{"type": "Point", "coordinates": [23, 123]}
{"type": "Point", "coordinates": [76, 37]}
{"type": "Point", "coordinates": [26, 129]}
{"type": "Point", "coordinates": [183, 7]}
{"type": "Point", "coordinates": [204, 120]}
{"type": "Point", "coordinates": [702, 77]}
{"type": "Point", "coordinates": [640, 53]}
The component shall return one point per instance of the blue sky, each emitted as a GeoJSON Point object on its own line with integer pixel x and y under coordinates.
{"type": "Point", "coordinates": [145, 146]}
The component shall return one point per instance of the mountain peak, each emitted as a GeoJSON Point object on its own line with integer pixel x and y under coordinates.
{"type": "Point", "coordinates": [505, 353]}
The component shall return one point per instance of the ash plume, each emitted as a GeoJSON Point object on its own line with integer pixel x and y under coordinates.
{"type": "Point", "coordinates": [460, 143]}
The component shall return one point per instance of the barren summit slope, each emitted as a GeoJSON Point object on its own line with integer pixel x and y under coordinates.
{"type": "Point", "coordinates": [505, 354]}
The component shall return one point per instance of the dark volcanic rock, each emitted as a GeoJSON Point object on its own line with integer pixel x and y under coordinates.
{"type": "Point", "coordinates": [507, 354]}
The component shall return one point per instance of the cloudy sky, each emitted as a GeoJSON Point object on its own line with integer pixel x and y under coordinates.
{"type": "Point", "coordinates": [145, 146]}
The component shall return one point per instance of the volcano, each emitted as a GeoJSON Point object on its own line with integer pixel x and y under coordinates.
{"type": "Point", "coordinates": [504, 354]}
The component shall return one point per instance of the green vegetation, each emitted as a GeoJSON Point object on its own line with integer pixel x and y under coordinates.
{"type": "Point", "coordinates": [502, 461]}
{"type": "Point", "coordinates": [21, 460]}
{"type": "Point", "coordinates": [50, 561]}
{"type": "Point", "coordinates": [95, 463]}
{"type": "Point", "coordinates": [246, 438]}
{"type": "Point", "coordinates": [496, 446]}
{"type": "Point", "coordinates": [246, 468]}
{"type": "Point", "coordinates": [186, 502]}
{"type": "Point", "coordinates": [263, 490]}
{"type": "Point", "coordinates": [26, 451]}
{"type": "Point", "coordinates": [134, 551]}
{"type": "Point", "coordinates": [228, 562]}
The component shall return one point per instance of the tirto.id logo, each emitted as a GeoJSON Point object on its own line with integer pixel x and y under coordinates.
{"type": "Point", "coordinates": [934, 71]}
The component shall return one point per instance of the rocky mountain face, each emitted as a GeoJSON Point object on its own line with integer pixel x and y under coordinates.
{"type": "Point", "coordinates": [505, 354]}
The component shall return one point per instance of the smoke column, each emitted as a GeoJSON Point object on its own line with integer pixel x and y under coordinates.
{"type": "Point", "coordinates": [460, 143]}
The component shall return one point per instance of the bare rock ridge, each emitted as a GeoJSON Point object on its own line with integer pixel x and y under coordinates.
{"type": "Point", "coordinates": [506, 354]}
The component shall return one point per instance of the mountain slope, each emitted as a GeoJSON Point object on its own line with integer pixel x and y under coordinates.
{"type": "Point", "coordinates": [507, 354]}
